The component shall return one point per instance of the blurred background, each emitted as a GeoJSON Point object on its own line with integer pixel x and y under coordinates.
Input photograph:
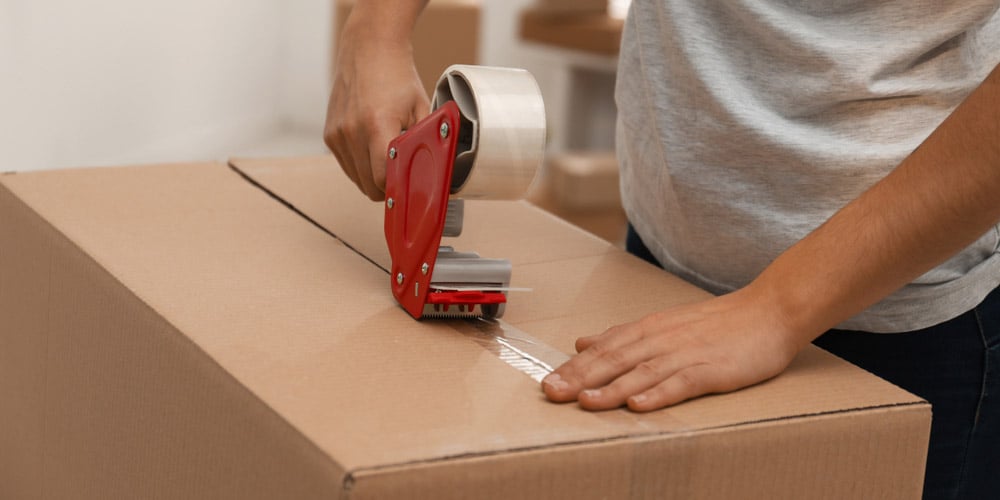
{"type": "Point", "coordinates": [112, 82]}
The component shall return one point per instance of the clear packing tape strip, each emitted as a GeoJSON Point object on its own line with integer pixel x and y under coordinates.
{"type": "Point", "coordinates": [519, 350]}
{"type": "Point", "coordinates": [502, 135]}
{"type": "Point", "coordinates": [537, 359]}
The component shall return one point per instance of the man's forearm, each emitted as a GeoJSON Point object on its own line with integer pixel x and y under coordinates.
{"type": "Point", "coordinates": [943, 197]}
{"type": "Point", "coordinates": [387, 20]}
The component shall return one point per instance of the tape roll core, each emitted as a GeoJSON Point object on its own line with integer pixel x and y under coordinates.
{"type": "Point", "coordinates": [502, 130]}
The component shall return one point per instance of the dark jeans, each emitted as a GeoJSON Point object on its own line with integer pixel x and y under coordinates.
{"type": "Point", "coordinates": [956, 367]}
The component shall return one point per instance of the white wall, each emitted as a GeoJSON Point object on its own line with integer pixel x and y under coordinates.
{"type": "Point", "coordinates": [304, 73]}
{"type": "Point", "coordinates": [578, 88]}
{"type": "Point", "coordinates": [119, 81]}
{"type": "Point", "coordinates": [108, 82]}
{"type": "Point", "coordinates": [499, 43]}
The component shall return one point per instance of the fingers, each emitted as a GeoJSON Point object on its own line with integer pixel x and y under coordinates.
{"type": "Point", "coordinates": [584, 343]}
{"type": "Point", "coordinates": [377, 152]}
{"type": "Point", "coordinates": [420, 110]}
{"type": "Point", "coordinates": [644, 376]}
{"type": "Point", "coordinates": [382, 132]}
{"type": "Point", "coordinates": [346, 162]}
{"type": "Point", "coordinates": [647, 385]}
{"type": "Point", "coordinates": [359, 133]}
{"type": "Point", "coordinates": [361, 154]}
{"type": "Point", "coordinates": [616, 352]}
{"type": "Point", "coordinates": [335, 137]}
{"type": "Point", "coordinates": [717, 345]}
{"type": "Point", "coordinates": [361, 151]}
{"type": "Point", "coordinates": [376, 93]}
{"type": "Point", "coordinates": [685, 384]}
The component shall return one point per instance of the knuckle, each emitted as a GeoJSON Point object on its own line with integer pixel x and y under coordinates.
{"type": "Point", "coordinates": [349, 130]}
{"type": "Point", "coordinates": [375, 194]}
{"type": "Point", "coordinates": [378, 175]}
{"type": "Point", "coordinates": [616, 358]}
{"type": "Point", "coordinates": [331, 131]}
{"type": "Point", "coordinates": [646, 326]}
{"type": "Point", "coordinates": [648, 369]}
{"type": "Point", "coordinates": [330, 140]}
{"type": "Point", "coordinates": [689, 384]}
{"type": "Point", "coordinates": [612, 331]}
{"type": "Point", "coordinates": [370, 118]}
{"type": "Point", "coordinates": [599, 349]}
{"type": "Point", "coordinates": [726, 364]}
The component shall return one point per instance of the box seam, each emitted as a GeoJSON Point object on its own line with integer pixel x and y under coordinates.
{"type": "Point", "coordinates": [289, 205]}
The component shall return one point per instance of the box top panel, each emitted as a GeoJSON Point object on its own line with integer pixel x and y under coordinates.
{"type": "Point", "coordinates": [310, 327]}
{"type": "Point", "coordinates": [580, 285]}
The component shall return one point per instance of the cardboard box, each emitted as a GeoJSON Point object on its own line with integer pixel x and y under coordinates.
{"type": "Point", "coordinates": [571, 6]}
{"type": "Point", "coordinates": [446, 33]}
{"type": "Point", "coordinates": [582, 189]}
{"type": "Point", "coordinates": [201, 331]}
{"type": "Point", "coordinates": [585, 181]}
{"type": "Point", "coordinates": [593, 32]}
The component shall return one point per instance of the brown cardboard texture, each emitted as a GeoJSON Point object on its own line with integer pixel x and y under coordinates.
{"type": "Point", "coordinates": [176, 331]}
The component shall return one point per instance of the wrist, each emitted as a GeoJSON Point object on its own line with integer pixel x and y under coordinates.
{"type": "Point", "coordinates": [788, 308]}
{"type": "Point", "coordinates": [384, 23]}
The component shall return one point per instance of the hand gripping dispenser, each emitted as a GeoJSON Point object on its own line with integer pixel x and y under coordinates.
{"type": "Point", "coordinates": [484, 139]}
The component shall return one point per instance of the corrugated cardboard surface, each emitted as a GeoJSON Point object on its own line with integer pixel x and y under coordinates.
{"type": "Point", "coordinates": [101, 395]}
{"type": "Point", "coordinates": [174, 331]}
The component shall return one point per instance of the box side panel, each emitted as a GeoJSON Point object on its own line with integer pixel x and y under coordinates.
{"type": "Point", "coordinates": [24, 272]}
{"type": "Point", "coordinates": [100, 397]}
{"type": "Point", "coordinates": [877, 453]}
{"type": "Point", "coordinates": [585, 471]}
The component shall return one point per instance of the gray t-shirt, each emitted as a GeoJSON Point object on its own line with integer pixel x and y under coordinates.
{"type": "Point", "coordinates": [745, 124]}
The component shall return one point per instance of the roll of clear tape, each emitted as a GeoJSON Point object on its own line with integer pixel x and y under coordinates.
{"type": "Point", "coordinates": [502, 133]}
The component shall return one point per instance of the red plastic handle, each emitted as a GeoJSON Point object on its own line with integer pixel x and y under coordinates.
{"type": "Point", "coordinates": [417, 182]}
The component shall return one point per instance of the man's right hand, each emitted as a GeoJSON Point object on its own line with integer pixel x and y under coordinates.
{"type": "Point", "coordinates": [376, 95]}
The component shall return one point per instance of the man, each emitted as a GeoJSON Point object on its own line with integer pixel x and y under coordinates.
{"type": "Point", "coordinates": [817, 164]}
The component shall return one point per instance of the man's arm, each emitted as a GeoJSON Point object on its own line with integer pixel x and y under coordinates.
{"type": "Point", "coordinates": [376, 90]}
{"type": "Point", "coordinates": [940, 199]}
